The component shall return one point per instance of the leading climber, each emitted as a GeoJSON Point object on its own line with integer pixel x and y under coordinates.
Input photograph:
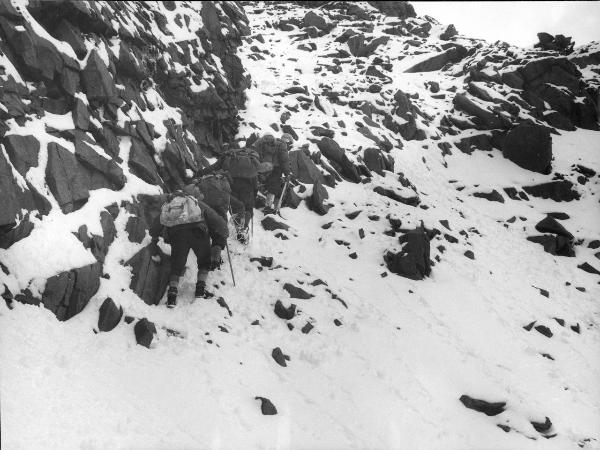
{"type": "Point", "coordinates": [274, 153]}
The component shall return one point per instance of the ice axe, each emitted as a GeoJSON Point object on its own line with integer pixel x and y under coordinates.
{"type": "Point", "coordinates": [230, 265]}
{"type": "Point", "coordinates": [280, 201]}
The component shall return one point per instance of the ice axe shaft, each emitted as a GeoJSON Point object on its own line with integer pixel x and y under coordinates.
{"type": "Point", "coordinates": [280, 201]}
{"type": "Point", "coordinates": [230, 265]}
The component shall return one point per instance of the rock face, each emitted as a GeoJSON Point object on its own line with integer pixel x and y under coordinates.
{"type": "Point", "coordinates": [413, 260]}
{"type": "Point", "coordinates": [557, 82]}
{"type": "Point", "coordinates": [16, 198]}
{"type": "Point", "coordinates": [558, 43]}
{"type": "Point", "coordinates": [163, 95]}
{"type": "Point", "coordinates": [530, 147]}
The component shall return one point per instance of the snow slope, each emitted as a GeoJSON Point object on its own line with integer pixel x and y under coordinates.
{"type": "Point", "coordinates": [389, 372]}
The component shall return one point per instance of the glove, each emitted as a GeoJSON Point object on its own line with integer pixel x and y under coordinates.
{"type": "Point", "coordinates": [154, 246]}
{"type": "Point", "coordinates": [215, 257]}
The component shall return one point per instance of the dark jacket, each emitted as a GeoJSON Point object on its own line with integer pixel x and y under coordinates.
{"type": "Point", "coordinates": [284, 161]}
{"type": "Point", "coordinates": [214, 224]}
{"type": "Point", "coordinates": [216, 166]}
{"type": "Point", "coordinates": [234, 182]}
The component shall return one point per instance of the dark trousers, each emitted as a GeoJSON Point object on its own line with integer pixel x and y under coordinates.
{"type": "Point", "coordinates": [183, 239]}
{"type": "Point", "coordinates": [274, 183]}
{"type": "Point", "coordinates": [243, 189]}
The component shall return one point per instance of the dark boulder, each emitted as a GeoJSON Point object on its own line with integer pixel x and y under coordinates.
{"type": "Point", "coordinates": [550, 225]}
{"type": "Point", "coordinates": [304, 169]}
{"type": "Point", "coordinates": [331, 149]}
{"type": "Point", "coordinates": [493, 196]}
{"type": "Point", "coordinates": [405, 110]}
{"type": "Point", "coordinates": [558, 82]}
{"type": "Point", "coordinates": [558, 43]}
{"type": "Point", "coordinates": [109, 315]}
{"type": "Point", "coordinates": [488, 119]}
{"type": "Point", "coordinates": [141, 163]}
{"type": "Point", "coordinates": [318, 200]}
{"type": "Point", "coordinates": [264, 261]}
{"type": "Point", "coordinates": [98, 245]}
{"type": "Point", "coordinates": [400, 9]}
{"type": "Point", "coordinates": [375, 160]}
{"type": "Point", "coordinates": [529, 146]}
{"type": "Point", "coordinates": [542, 427]}
{"type": "Point", "coordinates": [296, 292]}
{"type": "Point", "coordinates": [269, 223]}
{"type": "Point", "coordinates": [558, 190]}
{"type": "Point", "coordinates": [67, 293]}
{"type": "Point", "coordinates": [266, 407]}
{"type": "Point", "coordinates": [151, 268]}
{"type": "Point", "coordinates": [39, 58]}
{"type": "Point", "coordinates": [284, 313]}
{"type": "Point", "coordinates": [67, 180]}
{"type": "Point", "coordinates": [69, 33]}
{"type": "Point", "coordinates": [448, 33]}
{"type": "Point", "coordinates": [279, 357]}
{"type": "Point", "coordinates": [555, 245]}
{"type": "Point", "coordinates": [489, 409]}
{"type": "Point", "coordinates": [144, 332]}
{"type": "Point", "coordinates": [97, 81]}
{"type": "Point", "coordinates": [9, 236]}
{"type": "Point", "coordinates": [543, 329]}
{"type": "Point", "coordinates": [475, 142]}
{"type": "Point", "coordinates": [436, 62]}
{"type": "Point", "coordinates": [81, 115]}
{"type": "Point", "coordinates": [412, 261]}
{"type": "Point", "coordinates": [15, 199]}
{"type": "Point", "coordinates": [91, 159]}
{"type": "Point", "coordinates": [23, 151]}
{"type": "Point", "coordinates": [312, 19]}
{"type": "Point", "coordinates": [307, 328]}
{"type": "Point", "coordinates": [393, 195]}
{"type": "Point", "coordinates": [587, 267]}
{"type": "Point", "coordinates": [359, 48]}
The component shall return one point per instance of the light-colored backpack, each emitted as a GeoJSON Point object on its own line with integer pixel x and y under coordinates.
{"type": "Point", "coordinates": [181, 209]}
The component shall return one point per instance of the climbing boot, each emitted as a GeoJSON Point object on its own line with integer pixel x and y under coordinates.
{"type": "Point", "coordinates": [172, 297]}
{"type": "Point", "coordinates": [201, 291]}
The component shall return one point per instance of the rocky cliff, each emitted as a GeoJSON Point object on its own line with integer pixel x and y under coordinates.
{"type": "Point", "coordinates": [108, 99]}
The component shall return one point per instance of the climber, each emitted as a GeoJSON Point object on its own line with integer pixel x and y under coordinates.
{"type": "Point", "coordinates": [273, 153]}
{"type": "Point", "coordinates": [190, 224]}
{"type": "Point", "coordinates": [216, 189]}
{"type": "Point", "coordinates": [241, 167]}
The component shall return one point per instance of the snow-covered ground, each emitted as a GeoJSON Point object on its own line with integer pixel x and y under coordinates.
{"type": "Point", "coordinates": [389, 372]}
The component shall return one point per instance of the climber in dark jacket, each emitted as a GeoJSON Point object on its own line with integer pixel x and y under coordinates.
{"type": "Point", "coordinates": [281, 168]}
{"type": "Point", "coordinates": [206, 238]}
{"type": "Point", "coordinates": [243, 195]}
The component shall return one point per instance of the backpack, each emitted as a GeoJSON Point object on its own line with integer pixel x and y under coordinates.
{"type": "Point", "coordinates": [242, 163]}
{"type": "Point", "coordinates": [216, 190]}
{"type": "Point", "coordinates": [269, 149]}
{"type": "Point", "coordinates": [180, 209]}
